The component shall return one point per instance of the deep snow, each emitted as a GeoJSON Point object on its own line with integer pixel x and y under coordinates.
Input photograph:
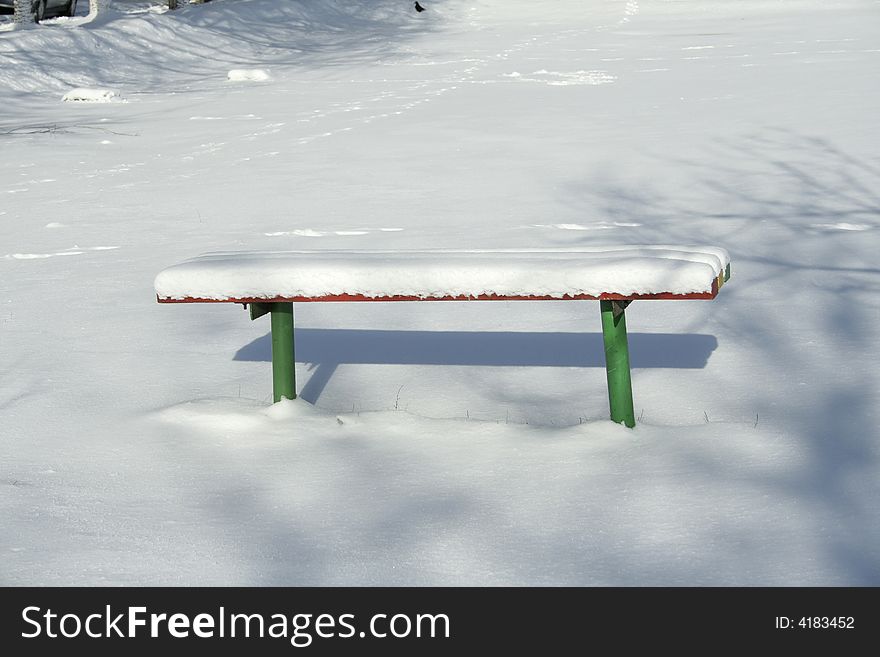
{"type": "Point", "coordinates": [459, 443]}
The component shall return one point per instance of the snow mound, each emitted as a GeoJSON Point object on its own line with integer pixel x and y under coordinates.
{"type": "Point", "coordinates": [841, 226]}
{"type": "Point", "coordinates": [565, 78]}
{"type": "Point", "coordinates": [248, 75]}
{"type": "Point", "coordinates": [84, 95]}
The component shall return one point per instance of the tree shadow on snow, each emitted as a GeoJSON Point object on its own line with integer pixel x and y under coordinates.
{"type": "Point", "coordinates": [800, 216]}
{"type": "Point", "coordinates": [198, 44]}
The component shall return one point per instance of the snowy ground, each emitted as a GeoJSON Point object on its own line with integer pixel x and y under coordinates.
{"type": "Point", "coordinates": [441, 443]}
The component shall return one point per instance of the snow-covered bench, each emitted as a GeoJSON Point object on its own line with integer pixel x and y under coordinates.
{"type": "Point", "coordinates": [271, 281]}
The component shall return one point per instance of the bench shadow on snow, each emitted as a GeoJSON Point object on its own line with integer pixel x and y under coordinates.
{"type": "Point", "coordinates": [326, 349]}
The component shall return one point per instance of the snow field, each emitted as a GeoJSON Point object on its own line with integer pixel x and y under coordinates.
{"type": "Point", "coordinates": [459, 443]}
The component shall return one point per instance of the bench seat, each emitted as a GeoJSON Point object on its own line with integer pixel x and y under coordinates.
{"type": "Point", "coordinates": [629, 272]}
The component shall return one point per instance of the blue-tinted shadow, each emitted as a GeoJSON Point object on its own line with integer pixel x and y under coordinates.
{"type": "Point", "coordinates": [327, 348]}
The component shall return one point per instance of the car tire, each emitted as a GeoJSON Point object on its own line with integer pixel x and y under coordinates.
{"type": "Point", "coordinates": [71, 9]}
{"type": "Point", "coordinates": [39, 10]}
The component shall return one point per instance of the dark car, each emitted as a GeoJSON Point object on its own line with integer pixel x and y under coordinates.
{"type": "Point", "coordinates": [43, 8]}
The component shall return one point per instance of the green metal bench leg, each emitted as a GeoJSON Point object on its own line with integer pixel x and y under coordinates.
{"type": "Point", "coordinates": [283, 374]}
{"type": "Point", "coordinates": [617, 362]}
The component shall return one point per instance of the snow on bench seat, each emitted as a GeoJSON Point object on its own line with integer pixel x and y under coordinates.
{"type": "Point", "coordinates": [611, 272]}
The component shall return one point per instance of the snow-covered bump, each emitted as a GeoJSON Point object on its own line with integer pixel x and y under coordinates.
{"type": "Point", "coordinates": [248, 75]}
{"type": "Point", "coordinates": [841, 226]}
{"type": "Point", "coordinates": [85, 95]}
{"type": "Point", "coordinates": [565, 78]}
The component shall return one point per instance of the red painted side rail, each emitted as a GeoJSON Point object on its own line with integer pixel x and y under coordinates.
{"type": "Point", "coordinates": [605, 296]}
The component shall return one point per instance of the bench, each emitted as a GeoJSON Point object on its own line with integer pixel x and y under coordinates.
{"type": "Point", "coordinates": [270, 282]}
